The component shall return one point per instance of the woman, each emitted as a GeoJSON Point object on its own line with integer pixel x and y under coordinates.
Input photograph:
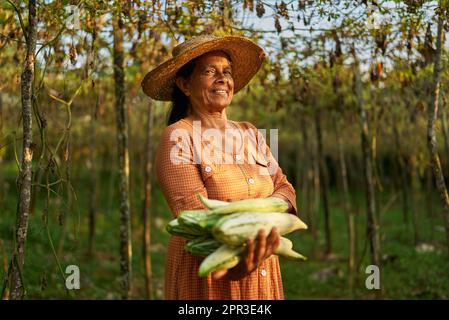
{"type": "Point", "coordinates": [200, 80]}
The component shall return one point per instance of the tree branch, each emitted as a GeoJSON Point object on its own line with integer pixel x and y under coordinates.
{"type": "Point", "coordinates": [24, 29]}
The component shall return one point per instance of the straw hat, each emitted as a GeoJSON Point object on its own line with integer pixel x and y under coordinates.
{"type": "Point", "coordinates": [246, 56]}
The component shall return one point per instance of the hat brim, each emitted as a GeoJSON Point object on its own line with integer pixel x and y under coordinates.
{"type": "Point", "coordinates": [246, 56]}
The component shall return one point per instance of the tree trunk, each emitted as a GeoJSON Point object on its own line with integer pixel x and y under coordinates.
{"type": "Point", "coordinates": [304, 155]}
{"type": "Point", "coordinates": [344, 184]}
{"type": "Point", "coordinates": [63, 216]}
{"type": "Point", "coordinates": [347, 205]}
{"type": "Point", "coordinates": [225, 15]}
{"type": "Point", "coordinates": [324, 183]}
{"type": "Point", "coordinates": [400, 162]}
{"type": "Point", "coordinates": [2, 183]}
{"type": "Point", "coordinates": [444, 128]}
{"type": "Point", "coordinates": [427, 187]}
{"type": "Point", "coordinates": [123, 158]}
{"type": "Point", "coordinates": [93, 177]}
{"type": "Point", "coordinates": [431, 136]}
{"type": "Point", "coordinates": [310, 184]}
{"type": "Point", "coordinates": [147, 204]}
{"type": "Point", "coordinates": [315, 195]}
{"type": "Point", "coordinates": [372, 224]}
{"type": "Point", "coordinates": [93, 147]}
{"type": "Point", "coordinates": [416, 198]}
{"type": "Point", "coordinates": [16, 285]}
{"type": "Point", "coordinates": [429, 194]}
{"type": "Point", "coordinates": [1, 114]}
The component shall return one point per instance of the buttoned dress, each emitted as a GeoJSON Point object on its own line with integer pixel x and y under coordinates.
{"type": "Point", "coordinates": [182, 174]}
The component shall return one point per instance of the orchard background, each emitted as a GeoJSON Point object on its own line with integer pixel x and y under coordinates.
{"type": "Point", "coordinates": [357, 90]}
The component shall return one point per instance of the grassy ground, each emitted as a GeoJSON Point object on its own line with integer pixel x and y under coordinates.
{"type": "Point", "coordinates": [407, 273]}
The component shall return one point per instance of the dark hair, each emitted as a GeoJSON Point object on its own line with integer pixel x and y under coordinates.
{"type": "Point", "coordinates": [181, 103]}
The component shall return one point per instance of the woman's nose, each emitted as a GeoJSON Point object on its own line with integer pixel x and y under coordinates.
{"type": "Point", "coordinates": [221, 77]}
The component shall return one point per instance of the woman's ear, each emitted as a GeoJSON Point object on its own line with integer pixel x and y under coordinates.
{"type": "Point", "coordinates": [183, 84]}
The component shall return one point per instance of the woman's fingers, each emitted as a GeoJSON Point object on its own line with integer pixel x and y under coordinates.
{"type": "Point", "coordinates": [277, 242]}
{"type": "Point", "coordinates": [219, 274]}
{"type": "Point", "coordinates": [261, 247]}
{"type": "Point", "coordinates": [255, 252]}
{"type": "Point", "coordinates": [249, 254]}
{"type": "Point", "coordinates": [272, 242]}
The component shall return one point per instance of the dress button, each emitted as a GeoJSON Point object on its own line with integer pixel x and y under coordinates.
{"type": "Point", "coordinates": [251, 180]}
{"type": "Point", "coordinates": [263, 273]}
{"type": "Point", "coordinates": [208, 169]}
{"type": "Point", "coordinates": [238, 157]}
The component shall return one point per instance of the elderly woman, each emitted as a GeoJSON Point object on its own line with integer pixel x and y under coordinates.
{"type": "Point", "coordinates": [201, 80]}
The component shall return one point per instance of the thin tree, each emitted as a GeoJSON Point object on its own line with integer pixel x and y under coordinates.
{"type": "Point", "coordinates": [304, 182]}
{"type": "Point", "coordinates": [16, 285]}
{"type": "Point", "coordinates": [432, 113]}
{"type": "Point", "coordinates": [335, 70]}
{"type": "Point", "coordinates": [402, 170]}
{"type": "Point", "coordinates": [92, 55]}
{"type": "Point", "coordinates": [324, 181]}
{"type": "Point", "coordinates": [146, 213]}
{"type": "Point", "coordinates": [344, 182]}
{"type": "Point", "coordinates": [414, 182]}
{"type": "Point", "coordinates": [444, 126]}
{"type": "Point", "coordinates": [372, 224]}
{"type": "Point", "coordinates": [2, 184]}
{"type": "Point", "coordinates": [123, 156]}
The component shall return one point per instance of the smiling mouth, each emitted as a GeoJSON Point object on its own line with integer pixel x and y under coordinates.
{"type": "Point", "coordinates": [220, 92]}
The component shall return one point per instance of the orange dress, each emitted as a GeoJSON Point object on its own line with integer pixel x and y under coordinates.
{"type": "Point", "coordinates": [181, 178]}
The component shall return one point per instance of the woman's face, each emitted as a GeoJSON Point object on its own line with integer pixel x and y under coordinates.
{"type": "Point", "coordinates": [211, 86]}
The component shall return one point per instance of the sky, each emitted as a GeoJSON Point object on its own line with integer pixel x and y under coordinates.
{"type": "Point", "coordinates": [271, 40]}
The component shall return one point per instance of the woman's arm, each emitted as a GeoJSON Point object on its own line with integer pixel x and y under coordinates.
{"type": "Point", "coordinates": [282, 188]}
{"type": "Point", "coordinates": [177, 175]}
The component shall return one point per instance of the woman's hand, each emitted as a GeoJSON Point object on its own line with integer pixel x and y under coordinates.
{"type": "Point", "coordinates": [255, 252]}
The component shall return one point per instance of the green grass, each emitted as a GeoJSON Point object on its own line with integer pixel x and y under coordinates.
{"type": "Point", "coordinates": [411, 275]}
